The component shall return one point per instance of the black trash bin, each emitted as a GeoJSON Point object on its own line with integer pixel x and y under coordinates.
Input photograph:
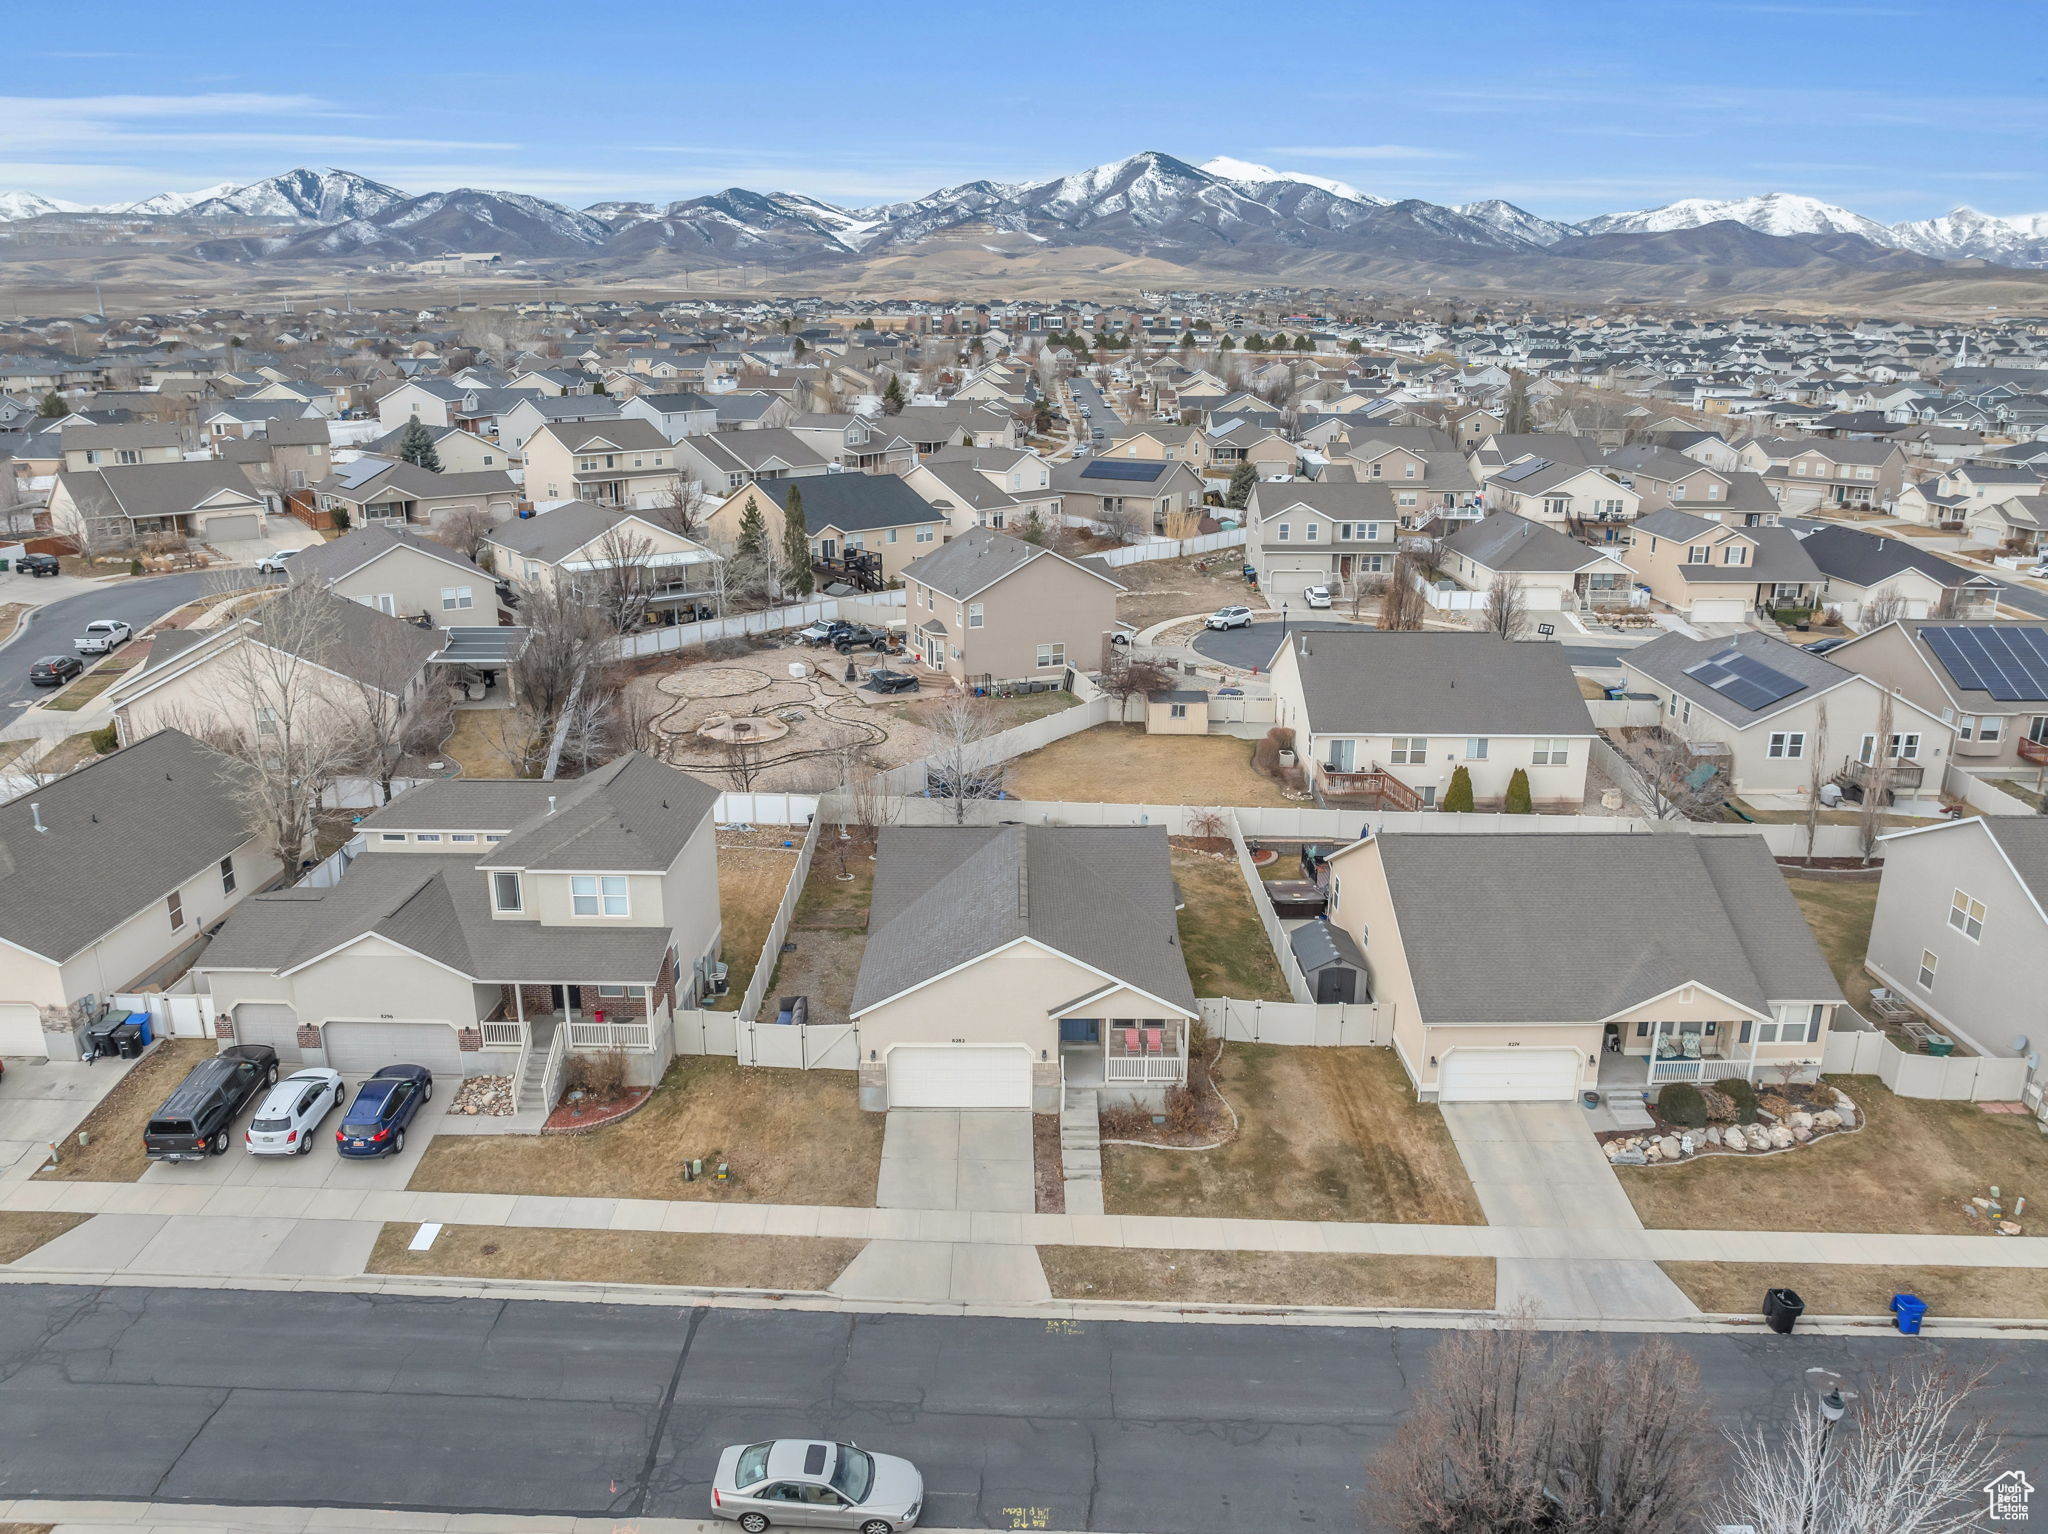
{"type": "Point", "coordinates": [102, 1038]}
{"type": "Point", "coordinates": [128, 1040]}
{"type": "Point", "coordinates": [1782, 1307]}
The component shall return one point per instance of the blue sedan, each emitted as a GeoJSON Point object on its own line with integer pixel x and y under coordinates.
{"type": "Point", "coordinates": [375, 1122]}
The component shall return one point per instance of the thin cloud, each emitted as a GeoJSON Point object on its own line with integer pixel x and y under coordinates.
{"type": "Point", "coordinates": [1365, 152]}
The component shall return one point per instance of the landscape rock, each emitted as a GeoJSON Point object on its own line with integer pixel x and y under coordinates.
{"type": "Point", "coordinates": [1827, 1118]}
{"type": "Point", "coordinates": [1780, 1136]}
{"type": "Point", "coordinates": [1713, 1134]}
{"type": "Point", "coordinates": [1802, 1119]}
{"type": "Point", "coordinates": [491, 1095]}
{"type": "Point", "coordinates": [1668, 1147]}
{"type": "Point", "coordinates": [1801, 1133]}
{"type": "Point", "coordinates": [1733, 1138]}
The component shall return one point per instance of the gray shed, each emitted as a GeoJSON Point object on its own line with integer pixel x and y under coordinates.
{"type": "Point", "coordinates": [1332, 961]}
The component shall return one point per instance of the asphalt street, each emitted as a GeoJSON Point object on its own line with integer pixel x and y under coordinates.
{"type": "Point", "coordinates": [54, 629]}
{"type": "Point", "coordinates": [531, 1407]}
{"type": "Point", "coordinates": [1255, 644]}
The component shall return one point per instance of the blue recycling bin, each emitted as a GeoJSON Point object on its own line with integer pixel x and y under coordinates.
{"type": "Point", "coordinates": [1907, 1311]}
{"type": "Point", "coordinates": [141, 1020]}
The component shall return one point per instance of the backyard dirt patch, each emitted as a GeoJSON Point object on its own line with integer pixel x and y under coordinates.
{"type": "Point", "coordinates": [781, 1263]}
{"type": "Point", "coordinates": [1328, 1134]}
{"type": "Point", "coordinates": [23, 1230]}
{"type": "Point", "coordinates": [790, 1137]}
{"type": "Point", "coordinates": [72, 751]}
{"type": "Point", "coordinates": [1005, 713]}
{"type": "Point", "coordinates": [1912, 1169]}
{"type": "Point", "coordinates": [477, 743]}
{"type": "Point", "coordinates": [751, 882]}
{"type": "Point", "coordinates": [1048, 1165]}
{"type": "Point", "coordinates": [1268, 1278]}
{"type": "Point", "coordinates": [1846, 1289]}
{"type": "Point", "coordinates": [1221, 935]}
{"type": "Point", "coordinates": [114, 1151]}
{"type": "Point", "coordinates": [829, 931]}
{"type": "Point", "coordinates": [1121, 764]}
{"type": "Point", "coordinates": [1158, 589]}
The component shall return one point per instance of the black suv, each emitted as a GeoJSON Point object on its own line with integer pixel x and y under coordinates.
{"type": "Point", "coordinates": [38, 564]}
{"type": "Point", "coordinates": [194, 1120]}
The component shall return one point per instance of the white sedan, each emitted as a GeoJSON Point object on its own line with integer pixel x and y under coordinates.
{"type": "Point", "coordinates": [286, 1119]}
{"type": "Point", "coordinates": [1230, 618]}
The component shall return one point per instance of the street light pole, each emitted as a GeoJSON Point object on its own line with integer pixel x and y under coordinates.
{"type": "Point", "coordinates": [1834, 1405]}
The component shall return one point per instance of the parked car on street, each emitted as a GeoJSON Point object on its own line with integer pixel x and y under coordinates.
{"type": "Point", "coordinates": [38, 565]}
{"type": "Point", "coordinates": [375, 1122]}
{"type": "Point", "coordinates": [193, 1122]}
{"type": "Point", "coordinates": [285, 1120]}
{"type": "Point", "coordinates": [275, 564]}
{"type": "Point", "coordinates": [102, 636]}
{"type": "Point", "coordinates": [1317, 596]}
{"type": "Point", "coordinates": [809, 1483]}
{"type": "Point", "coordinates": [1230, 618]}
{"type": "Point", "coordinates": [54, 670]}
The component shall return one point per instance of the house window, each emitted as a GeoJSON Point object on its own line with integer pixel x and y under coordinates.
{"type": "Point", "coordinates": [227, 876]}
{"type": "Point", "coordinates": [1990, 727]}
{"type": "Point", "coordinates": [1410, 750]}
{"type": "Point", "coordinates": [889, 536]}
{"type": "Point", "coordinates": [392, 836]}
{"type": "Point", "coordinates": [1050, 655]}
{"type": "Point", "coordinates": [597, 895]}
{"type": "Point", "coordinates": [455, 598]}
{"type": "Point", "coordinates": [2037, 730]}
{"type": "Point", "coordinates": [266, 720]}
{"type": "Point", "coordinates": [1967, 916]}
{"type": "Point", "coordinates": [1405, 498]}
{"type": "Point", "coordinates": [427, 836]}
{"type": "Point", "coordinates": [1928, 964]}
{"type": "Point", "coordinates": [1408, 471]}
{"type": "Point", "coordinates": [1285, 533]}
{"type": "Point", "coordinates": [924, 535]}
{"type": "Point", "coordinates": [1789, 744]}
{"type": "Point", "coordinates": [1550, 753]}
{"type": "Point", "coordinates": [462, 836]}
{"type": "Point", "coordinates": [974, 615]}
{"type": "Point", "coordinates": [175, 908]}
{"type": "Point", "coordinates": [1475, 749]}
{"type": "Point", "coordinates": [1177, 710]}
{"type": "Point", "coordinates": [1735, 554]}
{"type": "Point", "coordinates": [1698, 556]}
{"type": "Point", "coordinates": [1341, 755]}
{"type": "Point", "coordinates": [1904, 748]}
{"type": "Point", "coordinates": [1372, 564]}
{"type": "Point", "coordinates": [505, 895]}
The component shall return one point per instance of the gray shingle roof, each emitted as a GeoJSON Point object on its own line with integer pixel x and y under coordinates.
{"type": "Point", "coordinates": [852, 503]}
{"type": "Point", "coordinates": [980, 557]}
{"type": "Point", "coordinates": [1373, 682]}
{"type": "Point", "coordinates": [632, 814]}
{"type": "Point", "coordinates": [1864, 559]}
{"type": "Point", "coordinates": [558, 532]}
{"type": "Point", "coordinates": [122, 833]}
{"type": "Point", "coordinates": [1646, 913]}
{"type": "Point", "coordinates": [1505, 541]}
{"type": "Point", "coordinates": [1665, 659]}
{"type": "Point", "coordinates": [353, 550]}
{"type": "Point", "coordinates": [945, 895]}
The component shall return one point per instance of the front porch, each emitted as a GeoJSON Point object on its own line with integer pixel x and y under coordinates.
{"type": "Point", "coordinates": [1123, 1052]}
{"type": "Point", "coordinates": [1693, 1052]}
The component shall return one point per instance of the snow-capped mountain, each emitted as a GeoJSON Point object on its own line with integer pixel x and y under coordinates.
{"type": "Point", "coordinates": [311, 196]}
{"type": "Point", "coordinates": [739, 224]}
{"type": "Point", "coordinates": [1264, 175]}
{"type": "Point", "coordinates": [15, 206]}
{"type": "Point", "coordinates": [1771, 213]}
{"type": "Point", "coordinates": [171, 204]}
{"type": "Point", "coordinates": [1516, 222]}
{"type": "Point", "coordinates": [1964, 232]}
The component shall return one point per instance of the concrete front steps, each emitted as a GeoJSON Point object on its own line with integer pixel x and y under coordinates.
{"type": "Point", "coordinates": [1081, 1149]}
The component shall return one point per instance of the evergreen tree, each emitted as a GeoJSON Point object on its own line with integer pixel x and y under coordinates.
{"type": "Point", "coordinates": [1458, 797]}
{"type": "Point", "coordinates": [1353, 346]}
{"type": "Point", "coordinates": [796, 545]}
{"type": "Point", "coordinates": [892, 397]}
{"type": "Point", "coordinates": [1254, 342]}
{"type": "Point", "coordinates": [1518, 801]}
{"type": "Point", "coordinates": [416, 446]}
{"type": "Point", "coordinates": [52, 406]}
{"type": "Point", "coordinates": [752, 546]}
{"type": "Point", "coordinates": [801, 349]}
{"type": "Point", "coordinates": [1242, 478]}
{"type": "Point", "coordinates": [1187, 338]}
{"type": "Point", "coordinates": [1227, 345]}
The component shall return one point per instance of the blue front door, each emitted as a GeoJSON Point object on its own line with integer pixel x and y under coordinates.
{"type": "Point", "coordinates": [1080, 1030]}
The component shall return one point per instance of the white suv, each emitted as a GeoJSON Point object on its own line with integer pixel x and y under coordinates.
{"type": "Point", "coordinates": [285, 1121]}
{"type": "Point", "coordinates": [1230, 618]}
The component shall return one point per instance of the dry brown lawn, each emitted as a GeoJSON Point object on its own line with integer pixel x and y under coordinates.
{"type": "Point", "coordinates": [1121, 764]}
{"type": "Point", "coordinates": [23, 1230]}
{"type": "Point", "coordinates": [779, 1263]}
{"type": "Point", "coordinates": [114, 1127]}
{"type": "Point", "coordinates": [477, 744]}
{"type": "Point", "coordinates": [751, 883]}
{"type": "Point", "coordinates": [1268, 1278]}
{"type": "Point", "coordinates": [1912, 1170]}
{"type": "Point", "coordinates": [830, 931]}
{"type": "Point", "coordinates": [790, 1137]}
{"type": "Point", "coordinates": [1328, 1134]}
{"type": "Point", "coordinates": [1220, 932]}
{"type": "Point", "coordinates": [1843, 1289]}
{"type": "Point", "coordinates": [1158, 589]}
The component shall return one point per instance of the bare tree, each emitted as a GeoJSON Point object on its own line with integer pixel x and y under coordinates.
{"type": "Point", "coordinates": [1905, 1458]}
{"type": "Point", "coordinates": [1507, 606]}
{"type": "Point", "coordinates": [1402, 606]}
{"type": "Point", "coordinates": [1877, 779]}
{"type": "Point", "coordinates": [1515, 1433]}
{"type": "Point", "coordinates": [566, 639]}
{"type": "Point", "coordinates": [680, 508]}
{"type": "Point", "coordinates": [740, 761]}
{"type": "Point", "coordinates": [1885, 607]}
{"type": "Point", "coordinates": [1816, 772]}
{"type": "Point", "coordinates": [960, 757]}
{"type": "Point", "coordinates": [465, 532]}
{"type": "Point", "coordinates": [1125, 518]}
{"type": "Point", "coordinates": [622, 586]}
{"type": "Point", "coordinates": [1126, 676]}
{"type": "Point", "coordinates": [398, 708]}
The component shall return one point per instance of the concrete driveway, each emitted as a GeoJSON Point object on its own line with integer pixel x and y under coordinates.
{"type": "Point", "coordinates": [934, 1158]}
{"type": "Point", "coordinates": [1537, 1167]}
{"type": "Point", "coordinates": [42, 1101]}
{"type": "Point", "coordinates": [320, 1167]}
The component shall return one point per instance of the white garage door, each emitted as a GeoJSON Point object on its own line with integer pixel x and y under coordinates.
{"type": "Point", "coordinates": [1508, 1076]}
{"type": "Point", "coordinates": [1719, 610]}
{"type": "Point", "coordinates": [272, 1023]}
{"type": "Point", "coordinates": [359, 1048]}
{"type": "Point", "coordinates": [959, 1076]}
{"type": "Point", "coordinates": [21, 1030]}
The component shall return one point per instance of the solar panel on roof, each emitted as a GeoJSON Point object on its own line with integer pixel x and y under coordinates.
{"type": "Point", "coordinates": [1105, 468]}
{"type": "Point", "coordinates": [1522, 471]}
{"type": "Point", "coordinates": [1744, 679]}
{"type": "Point", "coordinates": [2010, 663]}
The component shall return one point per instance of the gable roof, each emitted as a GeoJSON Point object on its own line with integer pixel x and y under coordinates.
{"type": "Point", "coordinates": [633, 813]}
{"type": "Point", "coordinates": [350, 552]}
{"type": "Point", "coordinates": [1666, 659]}
{"type": "Point", "coordinates": [1864, 559]}
{"type": "Point", "coordinates": [981, 556]}
{"type": "Point", "coordinates": [947, 895]}
{"type": "Point", "coordinates": [1505, 541]}
{"type": "Point", "coordinates": [1646, 914]}
{"type": "Point", "coordinates": [1372, 681]}
{"type": "Point", "coordinates": [852, 503]}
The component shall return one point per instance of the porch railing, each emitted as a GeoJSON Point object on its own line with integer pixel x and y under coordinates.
{"type": "Point", "coordinates": [552, 1069]}
{"type": "Point", "coordinates": [1710, 1069]}
{"type": "Point", "coordinates": [1160, 1067]}
{"type": "Point", "coordinates": [2032, 750]}
{"type": "Point", "coordinates": [504, 1035]}
{"type": "Point", "coordinates": [628, 1036]}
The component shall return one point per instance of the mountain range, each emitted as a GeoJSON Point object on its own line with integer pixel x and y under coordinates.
{"type": "Point", "coordinates": [1227, 213]}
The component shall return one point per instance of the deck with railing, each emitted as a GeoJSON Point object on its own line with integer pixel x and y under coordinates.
{"type": "Point", "coordinates": [1378, 785]}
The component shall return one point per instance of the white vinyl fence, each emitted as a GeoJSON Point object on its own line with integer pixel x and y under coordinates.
{"type": "Point", "coordinates": [170, 1015]}
{"type": "Point", "coordinates": [873, 607]}
{"type": "Point", "coordinates": [764, 809]}
{"type": "Point", "coordinates": [1980, 794]}
{"type": "Point", "coordinates": [771, 949]}
{"type": "Point", "coordinates": [909, 779]}
{"type": "Point", "coordinates": [810, 1047]}
{"type": "Point", "coordinates": [1276, 935]}
{"type": "Point", "coordinates": [1971, 1078]}
{"type": "Point", "coordinates": [1172, 548]}
{"type": "Point", "coordinates": [1319, 1024]}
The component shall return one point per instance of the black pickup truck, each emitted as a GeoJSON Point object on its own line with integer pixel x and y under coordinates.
{"type": "Point", "coordinates": [194, 1120]}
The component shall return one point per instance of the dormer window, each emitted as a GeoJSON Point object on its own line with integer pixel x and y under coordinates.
{"type": "Point", "coordinates": [505, 893]}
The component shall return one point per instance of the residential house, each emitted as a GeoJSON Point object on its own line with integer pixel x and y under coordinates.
{"type": "Point", "coordinates": [1779, 720]}
{"type": "Point", "coordinates": [1005, 962]}
{"type": "Point", "coordinates": [2019, 524]}
{"type": "Point", "coordinates": [675, 416]}
{"type": "Point", "coordinates": [1988, 680]}
{"type": "Point", "coordinates": [848, 519]}
{"type": "Point", "coordinates": [1388, 716]}
{"type": "Point", "coordinates": [987, 607]}
{"type": "Point", "coordinates": [209, 501]}
{"type": "Point", "coordinates": [1552, 572]}
{"type": "Point", "coordinates": [622, 462]}
{"type": "Point", "coordinates": [1140, 495]}
{"type": "Point", "coordinates": [528, 413]}
{"type": "Point", "coordinates": [1674, 958]}
{"type": "Point", "coordinates": [1563, 496]}
{"type": "Point", "coordinates": [485, 917]}
{"type": "Point", "coordinates": [974, 497]}
{"type": "Point", "coordinates": [1710, 572]}
{"type": "Point", "coordinates": [853, 442]}
{"type": "Point", "coordinates": [376, 490]}
{"type": "Point", "coordinates": [933, 427]}
{"type": "Point", "coordinates": [457, 451]}
{"type": "Point", "coordinates": [1163, 443]}
{"type": "Point", "coordinates": [578, 541]}
{"type": "Point", "coordinates": [1961, 929]}
{"type": "Point", "coordinates": [1265, 448]}
{"type": "Point", "coordinates": [132, 442]}
{"type": "Point", "coordinates": [725, 461]}
{"type": "Point", "coordinates": [1805, 473]}
{"type": "Point", "coordinates": [109, 872]}
{"type": "Point", "coordinates": [388, 567]}
{"type": "Point", "coordinates": [1307, 534]}
{"type": "Point", "coordinates": [1867, 575]}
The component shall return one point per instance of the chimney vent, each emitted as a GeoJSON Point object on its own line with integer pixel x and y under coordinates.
{"type": "Point", "coordinates": [36, 810]}
{"type": "Point", "coordinates": [551, 804]}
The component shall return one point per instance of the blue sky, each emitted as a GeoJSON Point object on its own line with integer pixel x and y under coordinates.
{"type": "Point", "coordinates": [1895, 108]}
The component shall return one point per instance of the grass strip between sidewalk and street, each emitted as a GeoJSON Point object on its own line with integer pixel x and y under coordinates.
{"type": "Point", "coordinates": [1365, 1280]}
{"type": "Point", "coordinates": [23, 1230]}
{"type": "Point", "coordinates": [113, 1148]}
{"type": "Point", "coordinates": [775, 1263]}
{"type": "Point", "coordinates": [1851, 1289]}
